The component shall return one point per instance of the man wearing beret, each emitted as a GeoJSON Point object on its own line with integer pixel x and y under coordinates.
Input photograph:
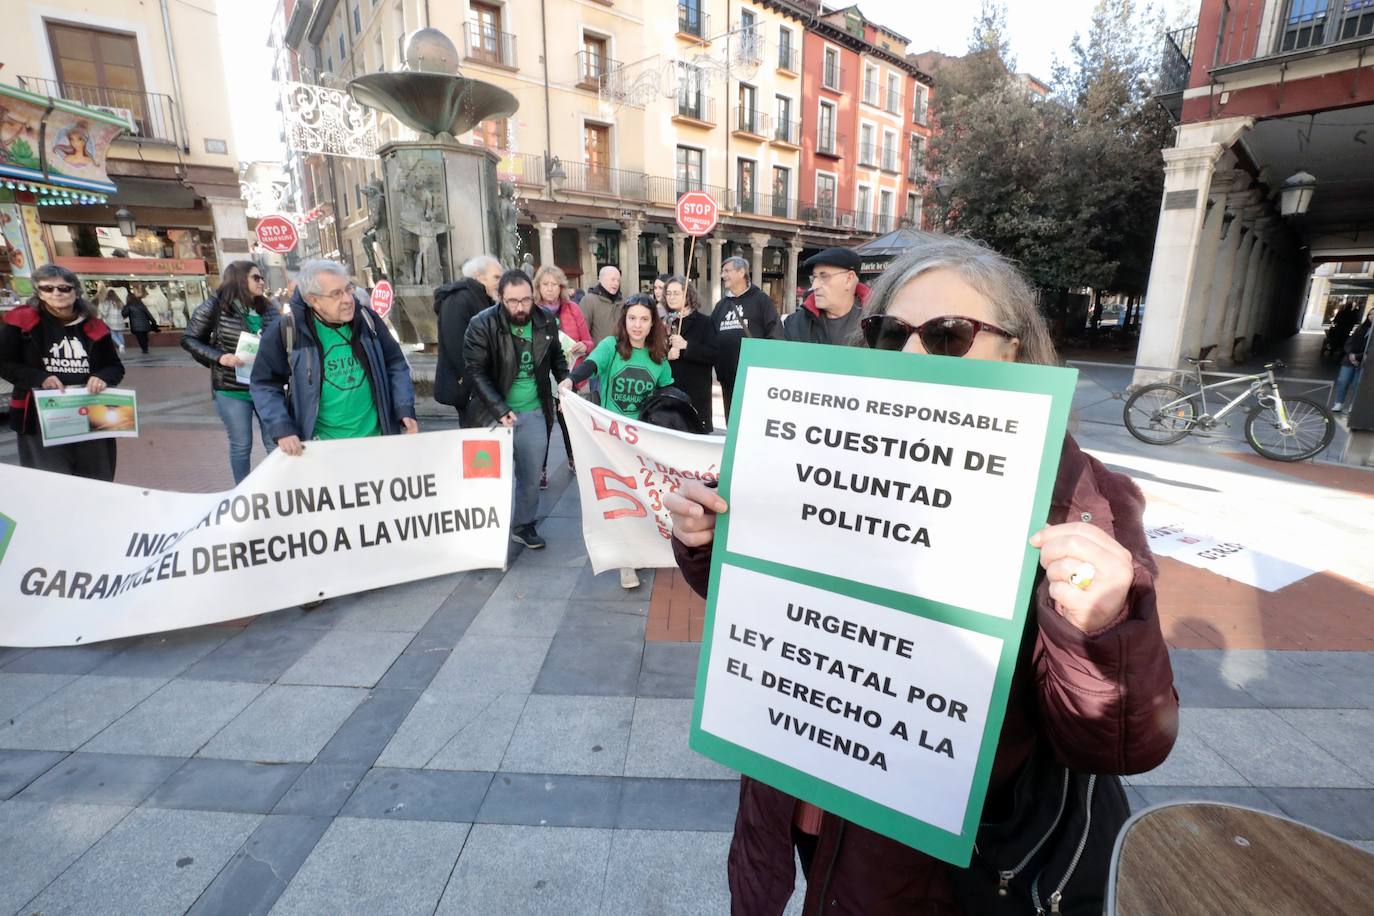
{"type": "Point", "coordinates": [830, 314]}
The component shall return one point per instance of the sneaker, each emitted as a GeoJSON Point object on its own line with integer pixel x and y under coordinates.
{"type": "Point", "coordinates": [571, 466]}
{"type": "Point", "coordinates": [544, 479]}
{"type": "Point", "coordinates": [629, 578]}
{"type": "Point", "coordinates": [311, 605]}
{"type": "Point", "coordinates": [1336, 407]}
{"type": "Point", "coordinates": [526, 535]}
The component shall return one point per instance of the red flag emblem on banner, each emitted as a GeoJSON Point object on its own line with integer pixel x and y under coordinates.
{"type": "Point", "coordinates": [481, 458]}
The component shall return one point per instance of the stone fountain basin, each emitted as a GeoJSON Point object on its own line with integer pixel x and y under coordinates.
{"type": "Point", "coordinates": [433, 103]}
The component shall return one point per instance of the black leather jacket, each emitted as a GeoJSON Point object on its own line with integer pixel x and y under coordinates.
{"type": "Point", "coordinates": [214, 331]}
{"type": "Point", "coordinates": [489, 355]}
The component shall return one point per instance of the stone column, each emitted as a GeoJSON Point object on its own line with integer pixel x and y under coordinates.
{"type": "Point", "coordinates": [661, 263]}
{"type": "Point", "coordinates": [1201, 293]}
{"type": "Point", "coordinates": [630, 231]}
{"type": "Point", "coordinates": [789, 291]}
{"type": "Point", "coordinates": [679, 265]}
{"type": "Point", "coordinates": [1226, 338]}
{"type": "Point", "coordinates": [1316, 303]}
{"type": "Point", "coordinates": [758, 243]}
{"type": "Point", "coordinates": [1228, 264]}
{"type": "Point", "coordinates": [713, 284]}
{"type": "Point", "coordinates": [545, 242]}
{"type": "Point", "coordinates": [587, 257]}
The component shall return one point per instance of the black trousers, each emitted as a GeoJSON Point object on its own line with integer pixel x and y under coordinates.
{"type": "Point", "coordinates": [567, 440]}
{"type": "Point", "coordinates": [94, 459]}
{"type": "Point", "coordinates": [142, 337]}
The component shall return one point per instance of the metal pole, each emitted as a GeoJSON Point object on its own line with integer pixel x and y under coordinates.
{"type": "Point", "coordinates": [185, 138]}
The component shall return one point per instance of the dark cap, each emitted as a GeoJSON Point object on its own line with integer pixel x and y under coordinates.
{"type": "Point", "coordinates": [835, 257]}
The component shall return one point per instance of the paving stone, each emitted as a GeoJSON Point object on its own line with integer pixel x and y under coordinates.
{"type": "Point", "coordinates": [519, 617]}
{"type": "Point", "coordinates": [1231, 795]}
{"type": "Point", "coordinates": [256, 654]}
{"type": "Point", "coordinates": [366, 867]}
{"type": "Point", "coordinates": [40, 840]}
{"type": "Point", "coordinates": [1268, 751]}
{"type": "Point", "coordinates": [66, 659]}
{"type": "Point", "coordinates": [166, 654]}
{"type": "Point", "coordinates": [447, 730]}
{"type": "Point", "coordinates": [10, 653]}
{"type": "Point", "coordinates": [19, 768]}
{"type": "Point", "coordinates": [366, 732]}
{"type": "Point", "coordinates": [413, 672]}
{"type": "Point", "coordinates": [612, 621]}
{"type": "Point", "coordinates": [590, 666]}
{"type": "Point", "coordinates": [347, 658]}
{"type": "Point", "coordinates": [1278, 681]}
{"type": "Point", "coordinates": [446, 628]}
{"type": "Point", "coordinates": [1350, 672]}
{"type": "Point", "coordinates": [403, 608]}
{"type": "Point", "coordinates": [492, 664]}
{"type": "Point", "coordinates": [1200, 683]}
{"type": "Point", "coordinates": [558, 870]}
{"type": "Point", "coordinates": [226, 785]}
{"type": "Point", "coordinates": [661, 871]}
{"type": "Point", "coordinates": [532, 582]}
{"type": "Point", "coordinates": [1346, 813]}
{"type": "Point", "coordinates": [70, 717]}
{"type": "Point", "coordinates": [418, 795]}
{"type": "Point", "coordinates": [321, 789]}
{"type": "Point", "coordinates": [566, 547]}
{"type": "Point", "coordinates": [669, 670]}
{"type": "Point", "coordinates": [285, 724]}
{"type": "Point", "coordinates": [606, 587]}
{"type": "Point", "coordinates": [1346, 734]}
{"type": "Point", "coordinates": [568, 504]}
{"type": "Point", "coordinates": [564, 734]}
{"type": "Point", "coordinates": [679, 804]}
{"type": "Point", "coordinates": [258, 873]}
{"type": "Point", "coordinates": [552, 801]}
{"type": "Point", "coordinates": [1135, 799]}
{"type": "Point", "coordinates": [1191, 762]}
{"type": "Point", "coordinates": [101, 779]}
{"type": "Point", "coordinates": [658, 743]}
{"type": "Point", "coordinates": [155, 861]}
{"type": "Point", "coordinates": [177, 720]}
{"type": "Point", "coordinates": [18, 692]}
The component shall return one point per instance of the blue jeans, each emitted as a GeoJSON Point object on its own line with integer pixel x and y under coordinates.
{"type": "Point", "coordinates": [238, 422]}
{"type": "Point", "coordinates": [1348, 378]}
{"type": "Point", "coordinates": [531, 444]}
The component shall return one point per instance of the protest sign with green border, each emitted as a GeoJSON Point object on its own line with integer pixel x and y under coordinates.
{"type": "Point", "coordinates": [902, 551]}
{"type": "Point", "coordinates": [76, 415]}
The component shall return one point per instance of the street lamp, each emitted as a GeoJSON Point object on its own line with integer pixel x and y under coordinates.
{"type": "Point", "coordinates": [128, 227]}
{"type": "Point", "coordinates": [1296, 194]}
{"type": "Point", "coordinates": [555, 172]}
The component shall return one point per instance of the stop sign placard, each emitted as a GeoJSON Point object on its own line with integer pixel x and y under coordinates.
{"type": "Point", "coordinates": [277, 233]}
{"type": "Point", "coordinates": [382, 297]}
{"type": "Point", "coordinates": [697, 213]}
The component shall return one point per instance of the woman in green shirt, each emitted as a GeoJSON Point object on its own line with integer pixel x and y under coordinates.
{"type": "Point", "coordinates": [632, 365]}
{"type": "Point", "coordinates": [239, 307]}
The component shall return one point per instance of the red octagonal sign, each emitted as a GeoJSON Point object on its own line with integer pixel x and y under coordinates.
{"type": "Point", "coordinates": [382, 297]}
{"type": "Point", "coordinates": [697, 213]}
{"type": "Point", "coordinates": [277, 233]}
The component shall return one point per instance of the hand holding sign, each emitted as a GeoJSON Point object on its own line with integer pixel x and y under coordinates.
{"type": "Point", "coordinates": [693, 509]}
{"type": "Point", "coordinates": [1063, 551]}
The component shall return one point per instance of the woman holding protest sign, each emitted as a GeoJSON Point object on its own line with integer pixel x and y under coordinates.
{"type": "Point", "coordinates": [632, 364]}
{"type": "Point", "coordinates": [222, 333]}
{"type": "Point", "coordinates": [52, 342]}
{"type": "Point", "coordinates": [1092, 694]}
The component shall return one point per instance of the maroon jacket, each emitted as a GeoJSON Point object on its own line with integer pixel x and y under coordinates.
{"type": "Point", "coordinates": [1104, 701]}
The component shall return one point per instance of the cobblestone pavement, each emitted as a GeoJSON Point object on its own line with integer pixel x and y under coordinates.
{"type": "Point", "coordinates": [495, 743]}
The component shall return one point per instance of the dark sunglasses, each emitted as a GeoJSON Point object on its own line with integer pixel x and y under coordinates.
{"type": "Point", "coordinates": [947, 335]}
{"type": "Point", "coordinates": [60, 288]}
{"type": "Point", "coordinates": [256, 277]}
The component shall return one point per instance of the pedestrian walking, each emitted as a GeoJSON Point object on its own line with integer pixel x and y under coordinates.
{"type": "Point", "coordinates": [632, 366]}
{"type": "Point", "coordinates": [830, 312]}
{"type": "Point", "coordinates": [601, 304]}
{"type": "Point", "coordinates": [510, 351]}
{"type": "Point", "coordinates": [1092, 690]}
{"type": "Point", "coordinates": [110, 313]}
{"type": "Point", "coordinates": [551, 294]}
{"type": "Point", "coordinates": [329, 369]}
{"type": "Point", "coordinates": [55, 341]}
{"type": "Point", "coordinates": [691, 346]}
{"type": "Point", "coordinates": [1353, 355]}
{"type": "Point", "coordinates": [141, 320]}
{"type": "Point", "coordinates": [744, 311]}
{"type": "Point", "coordinates": [217, 326]}
{"type": "Point", "coordinates": [456, 304]}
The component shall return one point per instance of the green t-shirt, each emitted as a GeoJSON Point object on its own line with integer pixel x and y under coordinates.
{"type": "Point", "coordinates": [524, 391]}
{"type": "Point", "coordinates": [347, 410]}
{"type": "Point", "coordinates": [627, 385]}
{"type": "Point", "coordinates": [252, 323]}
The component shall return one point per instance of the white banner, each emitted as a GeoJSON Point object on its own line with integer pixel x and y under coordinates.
{"type": "Point", "coordinates": [83, 561]}
{"type": "Point", "coordinates": [624, 468]}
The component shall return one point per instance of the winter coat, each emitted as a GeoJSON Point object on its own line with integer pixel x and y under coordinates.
{"type": "Point", "coordinates": [1358, 343]}
{"type": "Point", "coordinates": [807, 324]}
{"type": "Point", "coordinates": [286, 390]}
{"type": "Point", "coordinates": [214, 331]}
{"type": "Point", "coordinates": [1104, 702]}
{"type": "Point", "coordinates": [572, 322]}
{"type": "Point", "coordinates": [601, 309]}
{"type": "Point", "coordinates": [26, 336]}
{"type": "Point", "coordinates": [456, 304]}
{"type": "Point", "coordinates": [489, 354]}
{"type": "Point", "coordinates": [140, 319]}
{"type": "Point", "coordinates": [760, 319]}
{"type": "Point", "coordinates": [692, 370]}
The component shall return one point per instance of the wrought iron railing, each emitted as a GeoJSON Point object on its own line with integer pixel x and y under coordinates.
{"type": "Point", "coordinates": [692, 21]}
{"type": "Point", "coordinates": [873, 93]}
{"type": "Point", "coordinates": [521, 168]}
{"type": "Point", "coordinates": [152, 116]}
{"type": "Point", "coordinates": [488, 46]}
{"type": "Point", "coordinates": [666, 191]}
{"type": "Point", "coordinates": [775, 205]}
{"type": "Point", "coordinates": [832, 145]}
{"type": "Point", "coordinates": [593, 68]}
{"type": "Point", "coordinates": [752, 121]}
{"type": "Point", "coordinates": [829, 216]}
{"type": "Point", "coordinates": [588, 178]}
{"type": "Point", "coordinates": [697, 107]}
{"type": "Point", "coordinates": [785, 131]}
{"type": "Point", "coordinates": [890, 159]}
{"type": "Point", "coordinates": [1178, 59]}
{"type": "Point", "coordinates": [749, 45]}
{"type": "Point", "coordinates": [789, 59]}
{"type": "Point", "coordinates": [832, 77]}
{"type": "Point", "coordinates": [886, 223]}
{"type": "Point", "coordinates": [868, 154]}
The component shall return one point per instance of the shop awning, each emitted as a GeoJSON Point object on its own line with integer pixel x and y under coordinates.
{"type": "Point", "coordinates": [54, 148]}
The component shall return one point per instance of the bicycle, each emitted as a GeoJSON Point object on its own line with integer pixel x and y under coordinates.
{"type": "Point", "coordinates": [1279, 428]}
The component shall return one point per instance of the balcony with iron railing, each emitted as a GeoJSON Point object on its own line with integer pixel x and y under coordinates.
{"type": "Point", "coordinates": [890, 160]}
{"type": "Point", "coordinates": [868, 155]}
{"type": "Point", "coordinates": [829, 216]}
{"type": "Point", "coordinates": [786, 132]}
{"type": "Point", "coordinates": [592, 70]}
{"type": "Point", "coordinates": [525, 169]}
{"type": "Point", "coordinates": [894, 103]}
{"type": "Point", "coordinates": [599, 180]}
{"type": "Point", "coordinates": [920, 110]}
{"type": "Point", "coordinates": [789, 59]}
{"type": "Point", "coordinates": [1178, 60]}
{"type": "Point", "coordinates": [832, 145]}
{"type": "Point", "coordinates": [886, 223]}
{"type": "Point", "coordinates": [695, 108]}
{"type": "Point", "coordinates": [832, 78]}
{"type": "Point", "coordinates": [778, 206]}
{"type": "Point", "coordinates": [873, 93]}
{"type": "Point", "coordinates": [665, 191]}
{"type": "Point", "coordinates": [692, 22]}
{"type": "Point", "coordinates": [488, 46]}
{"type": "Point", "coordinates": [153, 117]}
{"type": "Point", "coordinates": [751, 122]}
{"type": "Point", "coordinates": [748, 45]}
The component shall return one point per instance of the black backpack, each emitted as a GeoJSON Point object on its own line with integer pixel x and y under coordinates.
{"type": "Point", "coordinates": [672, 409]}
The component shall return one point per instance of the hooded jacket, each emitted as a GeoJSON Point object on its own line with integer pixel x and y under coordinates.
{"type": "Point", "coordinates": [750, 314]}
{"type": "Point", "coordinates": [807, 324]}
{"type": "Point", "coordinates": [489, 353]}
{"type": "Point", "coordinates": [601, 310]}
{"type": "Point", "coordinates": [1103, 702]}
{"type": "Point", "coordinates": [456, 304]}
{"type": "Point", "coordinates": [214, 331]}
{"type": "Point", "coordinates": [26, 335]}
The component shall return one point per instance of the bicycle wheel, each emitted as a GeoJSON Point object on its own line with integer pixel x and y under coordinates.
{"type": "Point", "coordinates": [1160, 414]}
{"type": "Point", "coordinates": [1312, 429]}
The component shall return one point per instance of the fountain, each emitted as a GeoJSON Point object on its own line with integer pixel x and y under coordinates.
{"type": "Point", "coordinates": [439, 201]}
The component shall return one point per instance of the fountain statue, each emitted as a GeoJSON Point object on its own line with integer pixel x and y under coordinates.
{"type": "Point", "coordinates": [439, 202]}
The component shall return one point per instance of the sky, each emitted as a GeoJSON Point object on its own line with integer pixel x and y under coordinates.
{"type": "Point", "coordinates": [1036, 39]}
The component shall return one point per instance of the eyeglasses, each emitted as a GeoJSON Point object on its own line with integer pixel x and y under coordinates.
{"type": "Point", "coordinates": [59, 288]}
{"type": "Point", "coordinates": [256, 278]}
{"type": "Point", "coordinates": [826, 278]}
{"type": "Point", "coordinates": [947, 335]}
{"type": "Point", "coordinates": [520, 303]}
{"type": "Point", "coordinates": [337, 294]}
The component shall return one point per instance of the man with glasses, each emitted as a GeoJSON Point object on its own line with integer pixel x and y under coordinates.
{"type": "Point", "coordinates": [510, 350]}
{"type": "Point", "coordinates": [830, 314]}
{"type": "Point", "coordinates": [744, 311]}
